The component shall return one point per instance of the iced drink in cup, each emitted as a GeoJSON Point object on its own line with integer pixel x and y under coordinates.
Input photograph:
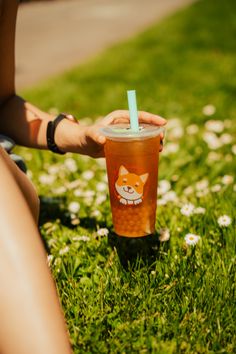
{"type": "Point", "coordinates": [132, 168]}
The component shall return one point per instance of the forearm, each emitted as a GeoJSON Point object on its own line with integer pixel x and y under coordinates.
{"type": "Point", "coordinates": [27, 126]}
{"type": "Point", "coordinates": [23, 122]}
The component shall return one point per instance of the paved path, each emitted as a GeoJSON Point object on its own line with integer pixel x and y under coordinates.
{"type": "Point", "coordinates": [53, 36]}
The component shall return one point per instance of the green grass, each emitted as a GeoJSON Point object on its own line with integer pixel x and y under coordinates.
{"type": "Point", "coordinates": [143, 296]}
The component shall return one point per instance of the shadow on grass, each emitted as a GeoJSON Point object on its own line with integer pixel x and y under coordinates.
{"type": "Point", "coordinates": [52, 209]}
{"type": "Point", "coordinates": [138, 252]}
{"type": "Point", "coordinates": [132, 252]}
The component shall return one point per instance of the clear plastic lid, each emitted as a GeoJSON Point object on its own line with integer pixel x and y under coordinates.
{"type": "Point", "coordinates": [123, 131]}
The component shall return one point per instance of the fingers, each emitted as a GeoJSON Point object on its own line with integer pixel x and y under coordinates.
{"type": "Point", "coordinates": [123, 116]}
{"type": "Point", "coordinates": [96, 135]}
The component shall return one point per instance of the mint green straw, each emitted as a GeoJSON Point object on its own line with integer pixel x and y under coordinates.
{"type": "Point", "coordinates": [133, 112]}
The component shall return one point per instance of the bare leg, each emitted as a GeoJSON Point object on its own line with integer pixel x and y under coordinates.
{"type": "Point", "coordinates": [31, 317]}
{"type": "Point", "coordinates": [26, 186]}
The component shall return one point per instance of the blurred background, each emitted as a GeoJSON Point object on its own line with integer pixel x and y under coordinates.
{"type": "Point", "coordinates": [54, 35]}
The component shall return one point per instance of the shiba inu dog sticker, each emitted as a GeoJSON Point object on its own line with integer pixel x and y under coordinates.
{"type": "Point", "coordinates": [130, 186]}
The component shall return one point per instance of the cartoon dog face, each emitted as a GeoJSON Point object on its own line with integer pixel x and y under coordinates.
{"type": "Point", "coordinates": [129, 185]}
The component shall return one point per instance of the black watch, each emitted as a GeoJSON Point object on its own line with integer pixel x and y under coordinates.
{"type": "Point", "coordinates": [51, 128]}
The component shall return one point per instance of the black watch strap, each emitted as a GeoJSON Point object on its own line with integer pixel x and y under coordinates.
{"type": "Point", "coordinates": [51, 128]}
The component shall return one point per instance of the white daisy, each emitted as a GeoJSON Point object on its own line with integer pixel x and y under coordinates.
{"type": "Point", "coordinates": [161, 201]}
{"type": "Point", "coordinates": [89, 194]}
{"type": "Point", "coordinates": [202, 185]}
{"type": "Point", "coordinates": [53, 169]}
{"type": "Point", "coordinates": [202, 193]}
{"type": "Point", "coordinates": [226, 138]}
{"type": "Point", "coordinates": [78, 192]}
{"type": "Point", "coordinates": [176, 133]}
{"type": "Point", "coordinates": [163, 186]}
{"type": "Point", "coordinates": [188, 190]}
{"type": "Point", "coordinates": [170, 196]}
{"type": "Point", "coordinates": [103, 232]}
{"type": "Point", "coordinates": [216, 126]}
{"type": "Point", "coordinates": [212, 140]}
{"type": "Point", "coordinates": [164, 235]}
{"type": "Point", "coordinates": [74, 207]}
{"type": "Point", "coordinates": [71, 164]}
{"type": "Point", "coordinates": [224, 220]}
{"type": "Point", "coordinates": [96, 213]}
{"type": "Point", "coordinates": [76, 183]}
{"type": "Point", "coordinates": [59, 190]}
{"type": "Point", "coordinates": [170, 148]}
{"type": "Point", "coordinates": [216, 188]}
{"type": "Point", "coordinates": [192, 129]}
{"type": "Point", "coordinates": [191, 239]}
{"type": "Point", "coordinates": [227, 179]}
{"type": "Point", "coordinates": [100, 199]}
{"type": "Point", "coordinates": [208, 110]}
{"type": "Point", "coordinates": [173, 123]}
{"type": "Point", "coordinates": [199, 210]}
{"type": "Point", "coordinates": [88, 175]}
{"type": "Point", "coordinates": [101, 186]}
{"type": "Point", "coordinates": [47, 179]}
{"type": "Point", "coordinates": [187, 209]}
{"type": "Point", "coordinates": [64, 250]}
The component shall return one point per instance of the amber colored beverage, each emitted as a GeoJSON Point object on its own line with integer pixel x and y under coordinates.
{"type": "Point", "coordinates": [132, 168]}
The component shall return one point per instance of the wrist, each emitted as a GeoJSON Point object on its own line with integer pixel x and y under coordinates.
{"type": "Point", "coordinates": [66, 135]}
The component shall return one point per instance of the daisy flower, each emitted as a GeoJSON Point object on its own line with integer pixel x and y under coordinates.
{"type": "Point", "coordinates": [202, 185]}
{"type": "Point", "coordinates": [47, 179]}
{"type": "Point", "coordinates": [191, 239]}
{"type": "Point", "coordinates": [170, 196]}
{"type": "Point", "coordinates": [188, 190]}
{"type": "Point", "coordinates": [224, 220]}
{"type": "Point", "coordinates": [64, 250]}
{"type": "Point", "coordinates": [96, 214]}
{"type": "Point", "coordinates": [199, 210]}
{"type": "Point", "coordinates": [101, 186]}
{"type": "Point", "coordinates": [227, 179]}
{"type": "Point", "coordinates": [171, 148]}
{"type": "Point", "coordinates": [216, 188]}
{"type": "Point", "coordinates": [216, 126]}
{"type": "Point", "coordinates": [192, 129]}
{"type": "Point", "coordinates": [88, 175]}
{"type": "Point", "coordinates": [226, 138]}
{"type": "Point", "coordinates": [187, 209]}
{"type": "Point", "coordinates": [164, 235]}
{"type": "Point", "coordinates": [53, 169]}
{"type": "Point", "coordinates": [74, 207]}
{"type": "Point", "coordinates": [70, 164]}
{"type": "Point", "coordinates": [208, 110]}
{"type": "Point", "coordinates": [163, 186]}
{"type": "Point", "coordinates": [103, 232]}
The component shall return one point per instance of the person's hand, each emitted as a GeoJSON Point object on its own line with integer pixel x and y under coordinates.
{"type": "Point", "coordinates": [89, 140]}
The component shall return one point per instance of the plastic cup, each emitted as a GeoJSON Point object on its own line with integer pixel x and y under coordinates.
{"type": "Point", "coordinates": [132, 169]}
